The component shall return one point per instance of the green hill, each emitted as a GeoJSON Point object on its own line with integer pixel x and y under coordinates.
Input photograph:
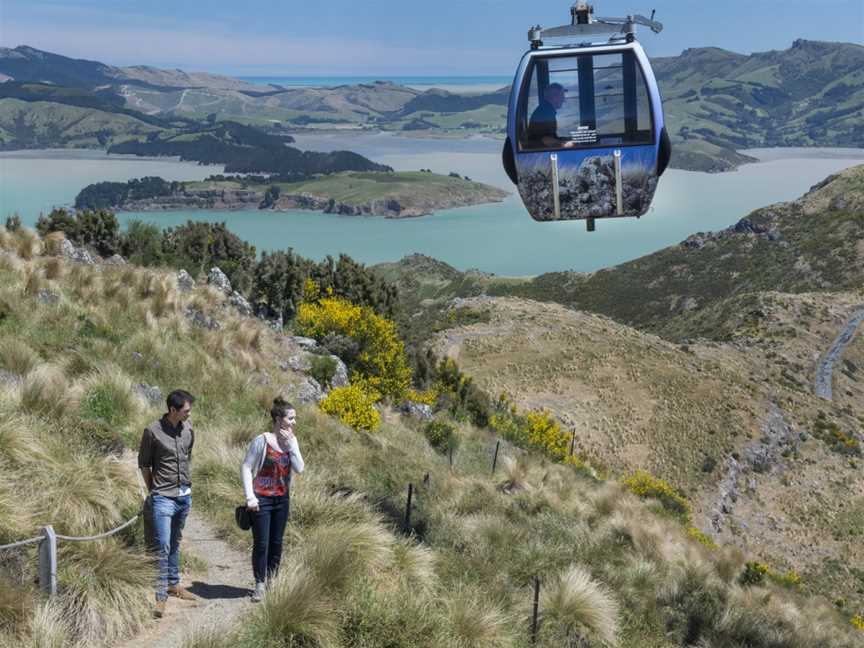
{"type": "Point", "coordinates": [811, 244]}
{"type": "Point", "coordinates": [809, 95]}
{"type": "Point", "coordinates": [49, 124]}
{"type": "Point", "coordinates": [617, 565]}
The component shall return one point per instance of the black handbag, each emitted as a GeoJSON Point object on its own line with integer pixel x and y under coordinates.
{"type": "Point", "coordinates": [243, 516]}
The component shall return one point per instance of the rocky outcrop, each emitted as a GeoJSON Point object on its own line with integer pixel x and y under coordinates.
{"type": "Point", "coordinates": [219, 281]}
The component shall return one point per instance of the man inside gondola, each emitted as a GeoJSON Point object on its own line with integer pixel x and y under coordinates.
{"type": "Point", "coordinates": [543, 125]}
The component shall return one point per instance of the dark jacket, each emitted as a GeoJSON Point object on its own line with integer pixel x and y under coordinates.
{"type": "Point", "coordinates": [543, 123]}
{"type": "Point", "coordinates": [167, 451]}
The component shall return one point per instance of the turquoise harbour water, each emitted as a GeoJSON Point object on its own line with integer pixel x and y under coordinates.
{"type": "Point", "coordinates": [499, 238]}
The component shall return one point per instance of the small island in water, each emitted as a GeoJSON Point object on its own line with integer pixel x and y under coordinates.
{"type": "Point", "coordinates": [401, 194]}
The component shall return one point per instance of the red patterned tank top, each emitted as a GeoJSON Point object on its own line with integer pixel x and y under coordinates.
{"type": "Point", "coordinates": [273, 478]}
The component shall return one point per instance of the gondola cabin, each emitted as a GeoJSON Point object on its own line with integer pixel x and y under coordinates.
{"type": "Point", "coordinates": [586, 137]}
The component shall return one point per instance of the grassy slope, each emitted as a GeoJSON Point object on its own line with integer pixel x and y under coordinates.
{"type": "Point", "coordinates": [349, 579]}
{"type": "Point", "coordinates": [695, 288]}
{"type": "Point", "coordinates": [44, 124]}
{"type": "Point", "coordinates": [682, 412]}
{"type": "Point", "coordinates": [410, 188]}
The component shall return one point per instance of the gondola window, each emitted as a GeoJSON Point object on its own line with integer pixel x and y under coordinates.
{"type": "Point", "coordinates": [585, 101]}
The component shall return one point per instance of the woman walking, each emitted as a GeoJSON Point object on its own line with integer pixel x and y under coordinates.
{"type": "Point", "coordinates": [266, 473]}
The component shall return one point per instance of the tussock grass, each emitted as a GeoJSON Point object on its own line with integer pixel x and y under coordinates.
{"type": "Point", "coordinates": [413, 566]}
{"type": "Point", "coordinates": [297, 607]}
{"type": "Point", "coordinates": [28, 244]}
{"type": "Point", "coordinates": [15, 603]}
{"type": "Point", "coordinates": [33, 281]}
{"type": "Point", "coordinates": [85, 283]}
{"type": "Point", "coordinates": [575, 602]}
{"type": "Point", "coordinates": [46, 392]}
{"type": "Point", "coordinates": [7, 240]}
{"type": "Point", "coordinates": [80, 494]}
{"type": "Point", "coordinates": [107, 397]}
{"type": "Point", "coordinates": [471, 621]}
{"type": "Point", "coordinates": [50, 627]}
{"type": "Point", "coordinates": [341, 552]}
{"type": "Point", "coordinates": [54, 268]}
{"type": "Point", "coordinates": [102, 584]}
{"type": "Point", "coordinates": [53, 243]}
{"type": "Point", "coordinates": [16, 356]}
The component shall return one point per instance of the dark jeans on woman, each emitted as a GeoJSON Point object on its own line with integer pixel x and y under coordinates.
{"type": "Point", "coordinates": [268, 527]}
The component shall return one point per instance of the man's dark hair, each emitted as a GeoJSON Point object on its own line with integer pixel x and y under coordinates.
{"type": "Point", "coordinates": [179, 397]}
{"type": "Point", "coordinates": [555, 86]}
{"type": "Point", "coordinates": [280, 408]}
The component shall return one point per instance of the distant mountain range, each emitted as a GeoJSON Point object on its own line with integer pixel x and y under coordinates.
{"type": "Point", "coordinates": [717, 102]}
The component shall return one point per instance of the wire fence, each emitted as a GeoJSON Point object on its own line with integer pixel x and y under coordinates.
{"type": "Point", "coordinates": [48, 545]}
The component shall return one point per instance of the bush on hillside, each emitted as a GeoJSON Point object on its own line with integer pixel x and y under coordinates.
{"type": "Point", "coordinates": [381, 361]}
{"type": "Point", "coordinates": [441, 436]}
{"type": "Point", "coordinates": [354, 405]}
{"type": "Point", "coordinates": [97, 229]}
{"type": "Point", "coordinates": [198, 246]}
{"type": "Point", "coordinates": [322, 369]}
{"type": "Point", "coordinates": [646, 486]}
{"type": "Point", "coordinates": [458, 395]}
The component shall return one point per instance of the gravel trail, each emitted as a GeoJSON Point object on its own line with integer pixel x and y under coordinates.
{"type": "Point", "coordinates": [825, 368]}
{"type": "Point", "coordinates": [223, 590]}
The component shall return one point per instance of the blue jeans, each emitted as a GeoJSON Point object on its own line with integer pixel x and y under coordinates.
{"type": "Point", "coordinates": [268, 527]}
{"type": "Point", "coordinates": [169, 517]}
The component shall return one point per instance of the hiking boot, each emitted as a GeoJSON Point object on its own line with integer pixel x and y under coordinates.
{"type": "Point", "coordinates": [258, 594]}
{"type": "Point", "coordinates": [182, 593]}
{"type": "Point", "coordinates": [159, 610]}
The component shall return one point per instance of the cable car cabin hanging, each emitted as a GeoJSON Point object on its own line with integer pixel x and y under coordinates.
{"type": "Point", "coordinates": [585, 131]}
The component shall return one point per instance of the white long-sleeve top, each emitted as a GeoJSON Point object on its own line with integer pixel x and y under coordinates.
{"type": "Point", "coordinates": [254, 459]}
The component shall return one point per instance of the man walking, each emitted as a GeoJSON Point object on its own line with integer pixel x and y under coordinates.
{"type": "Point", "coordinates": [164, 457]}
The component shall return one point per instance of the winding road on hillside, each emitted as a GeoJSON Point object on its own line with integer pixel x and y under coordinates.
{"type": "Point", "coordinates": [825, 368]}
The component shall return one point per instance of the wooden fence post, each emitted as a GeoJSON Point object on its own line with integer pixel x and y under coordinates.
{"type": "Point", "coordinates": [495, 458]}
{"type": "Point", "coordinates": [408, 507]}
{"type": "Point", "coordinates": [536, 610]}
{"type": "Point", "coordinates": [48, 561]}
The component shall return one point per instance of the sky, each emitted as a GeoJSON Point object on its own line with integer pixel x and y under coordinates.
{"type": "Point", "coordinates": [389, 37]}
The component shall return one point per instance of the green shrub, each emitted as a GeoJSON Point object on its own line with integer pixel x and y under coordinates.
{"type": "Point", "coordinates": [323, 369]}
{"type": "Point", "coordinates": [441, 436]}
{"type": "Point", "coordinates": [646, 485]}
{"type": "Point", "coordinates": [754, 574]}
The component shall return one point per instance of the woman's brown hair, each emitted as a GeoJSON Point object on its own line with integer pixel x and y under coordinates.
{"type": "Point", "coordinates": [280, 408]}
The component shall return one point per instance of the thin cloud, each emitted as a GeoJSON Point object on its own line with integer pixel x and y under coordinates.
{"type": "Point", "coordinates": [216, 49]}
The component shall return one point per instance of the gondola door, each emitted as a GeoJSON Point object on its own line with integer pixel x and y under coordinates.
{"type": "Point", "coordinates": [585, 132]}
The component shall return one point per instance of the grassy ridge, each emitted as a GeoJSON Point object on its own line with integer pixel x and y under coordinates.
{"type": "Point", "coordinates": [614, 571]}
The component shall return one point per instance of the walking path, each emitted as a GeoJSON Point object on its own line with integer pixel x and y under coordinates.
{"type": "Point", "coordinates": [223, 590]}
{"type": "Point", "coordinates": [825, 368]}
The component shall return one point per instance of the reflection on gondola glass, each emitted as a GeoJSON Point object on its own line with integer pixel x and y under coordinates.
{"type": "Point", "coordinates": [589, 100]}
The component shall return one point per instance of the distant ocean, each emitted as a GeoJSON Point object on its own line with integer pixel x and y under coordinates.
{"type": "Point", "coordinates": [451, 83]}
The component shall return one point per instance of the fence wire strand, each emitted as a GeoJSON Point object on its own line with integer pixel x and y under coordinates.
{"type": "Point", "coordinates": [21, 543]}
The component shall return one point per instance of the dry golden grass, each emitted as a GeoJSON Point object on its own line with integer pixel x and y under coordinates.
{"type": "Point", "coordinates": [471, 621]}
{"type": "Point", "coordinates": [28, 244]}
{"type": "Point", "coordinates": [575, 602]}
{"type": "Point", "coordinates": [298, 604]}
{"type": "Point", "coordinates": [54, 243]}
{"type": "Point", "coordinates": [46, 392]}
{"type": "Point", "coordinates": [54, 268]}
{"type": "Point", "coordinates": [33, 281]}
{"type": "Point", "coordinates": [16, 356]}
